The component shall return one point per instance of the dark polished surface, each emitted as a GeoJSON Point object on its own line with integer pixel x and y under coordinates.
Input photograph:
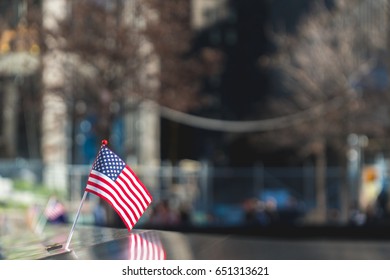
{"type": "Point", "coordinates": [96, 243]}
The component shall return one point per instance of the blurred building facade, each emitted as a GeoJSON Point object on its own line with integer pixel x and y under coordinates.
{"type": "Point", "coordinates": [21, 58]}
{"type": "Point", "coordinates": [19, 69]}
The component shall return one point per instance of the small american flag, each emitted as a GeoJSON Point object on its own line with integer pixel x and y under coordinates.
{"type": "Point", "coordinates": [54, 209]}
{"type": "Point", "coordinates": [115, 182]}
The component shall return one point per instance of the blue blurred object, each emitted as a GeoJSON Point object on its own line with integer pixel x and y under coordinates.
{"type": "Point", "coordinates": [283, 197]}
{"type": "Point", "coordinates": [228, 214]}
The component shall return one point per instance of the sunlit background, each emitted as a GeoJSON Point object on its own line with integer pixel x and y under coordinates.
{"type": "Point", "coordinates": [233, 113]}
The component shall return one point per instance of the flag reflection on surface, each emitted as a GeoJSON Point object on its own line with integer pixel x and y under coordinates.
{"type": "Point", "coordinates": [146, 246]}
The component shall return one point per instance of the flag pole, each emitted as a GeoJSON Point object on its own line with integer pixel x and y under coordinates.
{"type": "Point", "coordinates": [104, 142]}
{"type": "Point", "coordinates": [75, 221]}
{"type": "Point", "coordinates": [42, 220]}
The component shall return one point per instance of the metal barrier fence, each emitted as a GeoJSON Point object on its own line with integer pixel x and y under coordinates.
{"type": "Point", "coordinates": [204, 186]}
{"type": "Point", "coordinates": [200, 185]}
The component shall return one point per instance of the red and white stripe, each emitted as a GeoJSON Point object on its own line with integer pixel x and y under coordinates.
{"type": "Point", "coordinates": [146, 246]}
{"type": "Point", "coordinates": [127, 194]}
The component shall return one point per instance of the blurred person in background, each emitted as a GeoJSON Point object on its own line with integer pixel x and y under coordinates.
{"type": "Point", "coordinates": [163, 214]}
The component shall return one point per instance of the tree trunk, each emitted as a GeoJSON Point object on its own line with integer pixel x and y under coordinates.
{"type": "Point", "coordinates": [321, 163]}
{"type": "Point", "coordinates": [344, 192]}
{"type": "Point", "coordinates": [10, 119]}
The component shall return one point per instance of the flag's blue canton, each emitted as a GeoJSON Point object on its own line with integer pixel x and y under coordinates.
{"type": "Point", "coordinates": [108, 163]}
